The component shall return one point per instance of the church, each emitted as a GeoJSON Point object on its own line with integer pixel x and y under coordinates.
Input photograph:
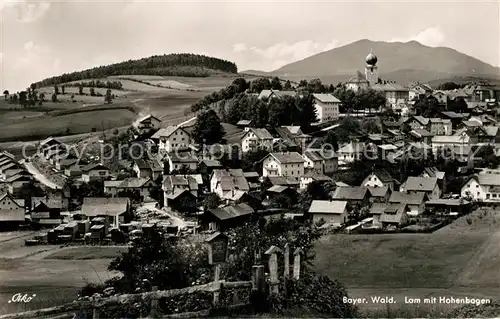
{"type": "Point", "coordinates": [396, 95]}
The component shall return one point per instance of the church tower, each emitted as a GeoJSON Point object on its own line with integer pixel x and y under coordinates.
{"type": "Point", "coordinates": [371, 69]}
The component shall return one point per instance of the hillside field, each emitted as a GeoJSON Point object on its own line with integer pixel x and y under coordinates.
{"type": "Point", "coordinates": [459, 258]}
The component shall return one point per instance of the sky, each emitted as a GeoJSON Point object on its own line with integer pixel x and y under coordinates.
{"type": "Point", "coordinates": [44, 38]}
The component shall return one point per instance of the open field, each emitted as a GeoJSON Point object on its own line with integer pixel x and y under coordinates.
{"type": "Point", "coordinates": [458, 259]}
{"type": "Point", "coordinates": [84, 253]}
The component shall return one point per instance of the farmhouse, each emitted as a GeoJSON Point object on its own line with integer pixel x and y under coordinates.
{"type": "Point", "coordinates": [224, 218]}
{"type": "Point", "coordinates": [173, 184]}
{"type": "Point", "coordinates": [426, 185]}
{"type": "Point", "coordinates": [332, 212]}
{"type": "Point", "coordinates": [12, 211]}
{"type": "Point", "coordinates": [182, 201]}
{"type": "Point", "coordinates": [15, 183]}
{"type": "Point", "coordinates": [353, 195]}
{"type": "Point", "coordinates": [482, 187]}
{"type": "Point", "coordinates": [327, 106]}
{"type": "Point", "coordinates": [450, 206]}
{"type": "Point", "coordinates": [94, 172]}
{"type": "Point", "coordinates": [140, 186]}
{"type": "Point", "coordinates": [283, 164]}
{"type": "Point", "coordinates": [380, 178]}
{"type": "Point", "coordinates": [379, 194]}
{"type": "Point", "coordinates": [415, 202]}
{"type": "Point", "coordinates": [172, 138]}
{"type": "Point", "coordinates": [115, 210]}
{"type": "Point", "coordinates": [419, 122]}
{"type": "Point", "coordinates": [148, 122]}
{"type": "Point", "coordinates": [226, 182]}
{"type": "Point", "coordinates": [275, 94]}
{"type": "Point", "coordinates": [180, 161]}
{"type": "Point", "coordinates": [322, 162]}
{"type": "Point", "coordinates": [395, 214]}
{"type": "Point", "coordinates": [147, 168]}
{"type": "Point", "coordinates": [256, 138]}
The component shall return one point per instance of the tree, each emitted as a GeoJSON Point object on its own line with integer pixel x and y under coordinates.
{"type": "Point", "coordinates": [458, 105]}
{"type": "Point", "coordinates": [62, 90]}
{"type": "Point", "coordinates": [306, 112]}
{"type": "Point", "coordinates": [108, 98]}
{"type": "Point", "coordinates": [446, 86]}
{"type": "Point", "coordinates": [240, 85]}
{"type": "Point", "coordinates": [208, 129]}
{"type": "Point", "coordinates": [427, 106]}
{"type": "Point", "coordinates": [56, 89]}
{"type": "Point", "coordinates": [6, 94]}
{"type": "Point", "coordinates": [287, 86]}
{"type": "Point", "coordinates": [23, 98]}
{"type": "Point", "coordinates": [260, 84]}
{"type": "Point", "coordinates": [276, 84]}
{"type": "Point", "coordinates": [212, 200]}
{"type": "Point", "coordinates": [92, 91]}
{"type": "Point", "coordinates": [54, 97]}
{"type": "Point", "coordinates": [315, 86]}
{"type": "Point", "coordinates": [80, 89]}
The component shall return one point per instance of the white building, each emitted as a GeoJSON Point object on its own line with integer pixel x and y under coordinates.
{"type": "Point", "coordinates": [256, 138]}
{"type": "Point", "coordinates": [148, 122]}
{"type": "Point", "coordinates": [426, 185]}
{"type": "Point", "coordinates": [283, 164]}
{"type": "Point", "coordinates": [482, 187]}
{"type": "Point", "coordinates": [350, 152]}
{"type": "Point", "coordinates": [321, 161]}
{"type": "Point", "coordinates": [379, 178]}
{"type": "Point", "coordinates": [226, 183]}
{"type": "Point", "coordinates": [172, 138]}
{"type": "Point", "coordinates": [327, 106]}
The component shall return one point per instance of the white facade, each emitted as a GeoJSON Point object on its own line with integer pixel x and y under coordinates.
{"type": "Point", "coordinates": [177, 140]}
{"type": "Point", "coordinates": [252, 141]}
{"type": "Point", "coordinates": [487, 193]}
{"type": "Point", "coordinates": [273, 167]}
{"type": "Point", "coordinates": [326, 110]}
{"type": "Point", "coordinates": [372, 180]}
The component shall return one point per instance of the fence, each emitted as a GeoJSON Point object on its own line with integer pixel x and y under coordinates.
{"type": "Point", "coordinates": [257, 284]}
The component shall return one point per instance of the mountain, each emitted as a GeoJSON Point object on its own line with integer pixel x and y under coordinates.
{"type": "Point", "coordinates": [183, 64]}
{"type": "Point", "coordinates": [397, 61]}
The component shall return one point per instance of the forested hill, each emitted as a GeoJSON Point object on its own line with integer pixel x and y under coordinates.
{"type": "Point", "coordinates": [184, 64]}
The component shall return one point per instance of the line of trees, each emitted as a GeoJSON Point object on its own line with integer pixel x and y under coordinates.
{"type": "Point", "coordinates": [184, 64]}
{"type": "Point", "coordinates": [115, 85]}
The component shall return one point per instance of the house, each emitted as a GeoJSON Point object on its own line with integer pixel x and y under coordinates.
{"type": "Point", "coordinates": [224, 218]}
{"type": "Point", "coordinates": [418, 89]}
{"type": "Point", "coordinates": [172, 138]}
{"type": "Point", "coordinates": [116, 209]}
{"type": "Point", "coordinates": [47, 208]}
{"type": "Point", "coordinates": [353, 195]}
{"type": "Point", "coordinates": [379, 194]}
{"type": "Point", "coordinates": [327, 106]}
{"type": "Point", "coordinates": [16, 182]}
{"type": "Point", "coordinates": [422, 135]}
{"type": "Point", "coordinates": [9, 168]}
{"type": "Point", "coordinates": [148, 168]}
{"type": "Point", "coordinates": [226, 182]}
{"type": "Point", "coordinates": [94, 172]}
{"type": "Point", "coordinates": [380, 178]}
{"type": "Point", "coordinates": [426, 185]}
{"type": "Point", "coordinates": [12, 211]}
{"type": "Point", "coordinates": [256, 138]}
{"type": "Point", "coordinates": [415, 201]}
{"type": "Point", "coordinates": [283, 164]}
{"type": "Point", "coordinates": [448, 206]}
{"type": "Point", "coordinates": [50, 145]}
{"type": "Point", "coordinates": [244, 123]}
{"type": "Point", "coordinates": [442, 142]}
{"type": "Point", "coordinates": [173, 184]}
{"type": "Point", "coordinates": [434, 172]}
{"type": "Point", "coordinates": [181, 161]}
{"type": "Point", "coordinates": [312, 176]}
{"type": "Point", "coordinates": [376, 210]}
{"type": "Point", "coordinates": [271, 94]}
{"type": "Point", "coordinates": [279, 190]}
{"type": "Point", "coordinates": [357, 82]}
{"type": "Point", "coordinates": [147, 123]}
{"type": "Point", "coordinates": [482, 187]}
{"type": "Point", "coordinates": [440, 126]}
{"type": "Point", "coordinates": [139, 186]}
{"type": "Point", "coordinates": [350, 152]}
{"type": "Point", "coordinates": [397, 96]}
{"type": "Point", "coordinates": [182, 201]}
{"type": "Point", "coordinates": [290, 138]}
{"type": "Point", "coordinates": [441, 97]}
{"type": "Point", "coordinates": [332, 212]}
{"type": "Point", "coordinates": [454, 117]}
{"type": "Point", "coordinates": [321, 161]}
{"type": "Point", "coordinates": [62, 164]}
{"type": "Point", "coordinates": [284, 181]}
{"type": "Point", "coordinates": [419, 122]}
{"type": "Point", "coordinates": [206, 167]}
{"type": "Point", "coordinates": [395, 214]}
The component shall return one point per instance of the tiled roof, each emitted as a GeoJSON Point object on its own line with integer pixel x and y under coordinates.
{"type": "Point", "coordinates": [284, 180]}
{"type": "Point", "coordinates": [383, 175]}
{"type": "Point", "coordinates": [289, 157]}
{"type": "Point", "coordinates": [422, 184]}
{"type": "Point", "coordinates": [229, 212]}
{"type": "Point", "coordinates": [393, 213]}
{"type": "Point", "coordinates": [244, 122]}
{"type": "Point", "coordinates": [231, 179]}
{"type": "Point", "coordinates": [326, 98]}
{"type": "Point", "coordinates": [350, 193]}
{"type": "Point", "coordinates": [378, 191]}
{"type": "Point", "coordinates": [410, 199]}
{"type": "Point", "coordinates": [134, 182]}
{"type": "Point", "coordinates": [389, 87]}
{"type": "Point", "coordinates": [89, 167]}
{"type": "Point", "coordinates": [422, 120]}
{"type": "Point", "coordinates": [329, 207]}
{"type": "Point", "coordinates": [166, 132]}
{"type": "Point", "coordinates": [378, 208]}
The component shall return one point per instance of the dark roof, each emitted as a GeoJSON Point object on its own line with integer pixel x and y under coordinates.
{"type": "Point", "coordinates": [393, 213]}
{"type": "Point", "coordinates": [229, 212]}
{"type": "Point", "coordinates": [97, 206]}
{"type": "Point", "coordinates": [384, 175]}
{"type": "Point", "coordinates": [350, 193]}
{"type": "Point", "coordinates": [410, 199]}
{"type": "Point", "coordinates": [90, 167]}
{"type": "Point", "coordinates": [185, 157]}
{"type": "Point", "coordinates": [422, 184]}
{"type": "Point", "coordinates": [284, 180]}
{"type": "Point", "coordinates": [378, 191]}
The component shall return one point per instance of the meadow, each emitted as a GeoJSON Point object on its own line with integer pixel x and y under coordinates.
{"type": "Point", "coordinates": [460, 259]}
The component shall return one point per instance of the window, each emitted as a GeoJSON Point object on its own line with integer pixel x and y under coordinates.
{"type": "Point", "coordinates": [487, 196]}
{"type": "Point", "coordinates": [494, 195]}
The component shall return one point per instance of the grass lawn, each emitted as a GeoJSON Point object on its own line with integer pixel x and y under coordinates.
{"type": "Point", "coordinates": [91, 252]}
{"type": "Point", "coordinates": [446, 258]}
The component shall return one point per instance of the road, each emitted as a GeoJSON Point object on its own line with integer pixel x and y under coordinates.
{"type": "Point", "coordinates": [40, 177]}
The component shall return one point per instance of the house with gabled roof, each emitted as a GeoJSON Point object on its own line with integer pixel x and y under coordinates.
{"type": "Point", "coordinates": [482, 187]}
{"type": "Point", "coordinates": [395, 214]}
{"type": "Point", "coordinates": [115, 209]}
{"type": "Point", "coordinates": [350, 152]}
{"type": "Point", "coordinates": [16, 182]}
{"type": "Point", "coordinates": [12, 211]}
{"type": "Point", "coordinates": [353, 195]}
{"type": "Point", "coordinates": [285, 181]}
{"type": "Point", "coordinates": [440, 126]}
{"type": "Point", "coordinates": [379, 194]}
{"type": "Point", "coordinates": [148, 122]}
{"type": "Point", "coordinates": [441, 97]}
{"type": "Point", "coordinates": [331, 212]}
{"type": "Point", "coordinates": [283, 164]}
{"type": "Point", "coordinates": [172, 138]}
{"type": "Point", "coordinates": [148, 168]}
{"type": "Point", "coordinates": [226, 182]}
{"type": "Point", "coordinates": [312, 176]}
{"type": "Point", "coordinates": [178, 161]}
{"type": "Point", "coordinates": [414, 201]}
{"type": "Point", "coordinates": [256, 138]}
{"type": "Point", "coordinates": [174, 183]}
{"type": "Point", "coordinates": [94, 172]}
{"type": "Point", "coordinates": [321, 161]}
{"type": "Point", "coordinates": [426, 185]}
{"type": "Point", "coordinates": [139, 185]}
{"type": "Point", "coordinates": [380, 178]}
{"type": "Point", "coordinates": [226, 217]}
{"type": "Point", "coordinates": [271, 94]}
{"type": "Point", "coordinates": [419, 122]}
